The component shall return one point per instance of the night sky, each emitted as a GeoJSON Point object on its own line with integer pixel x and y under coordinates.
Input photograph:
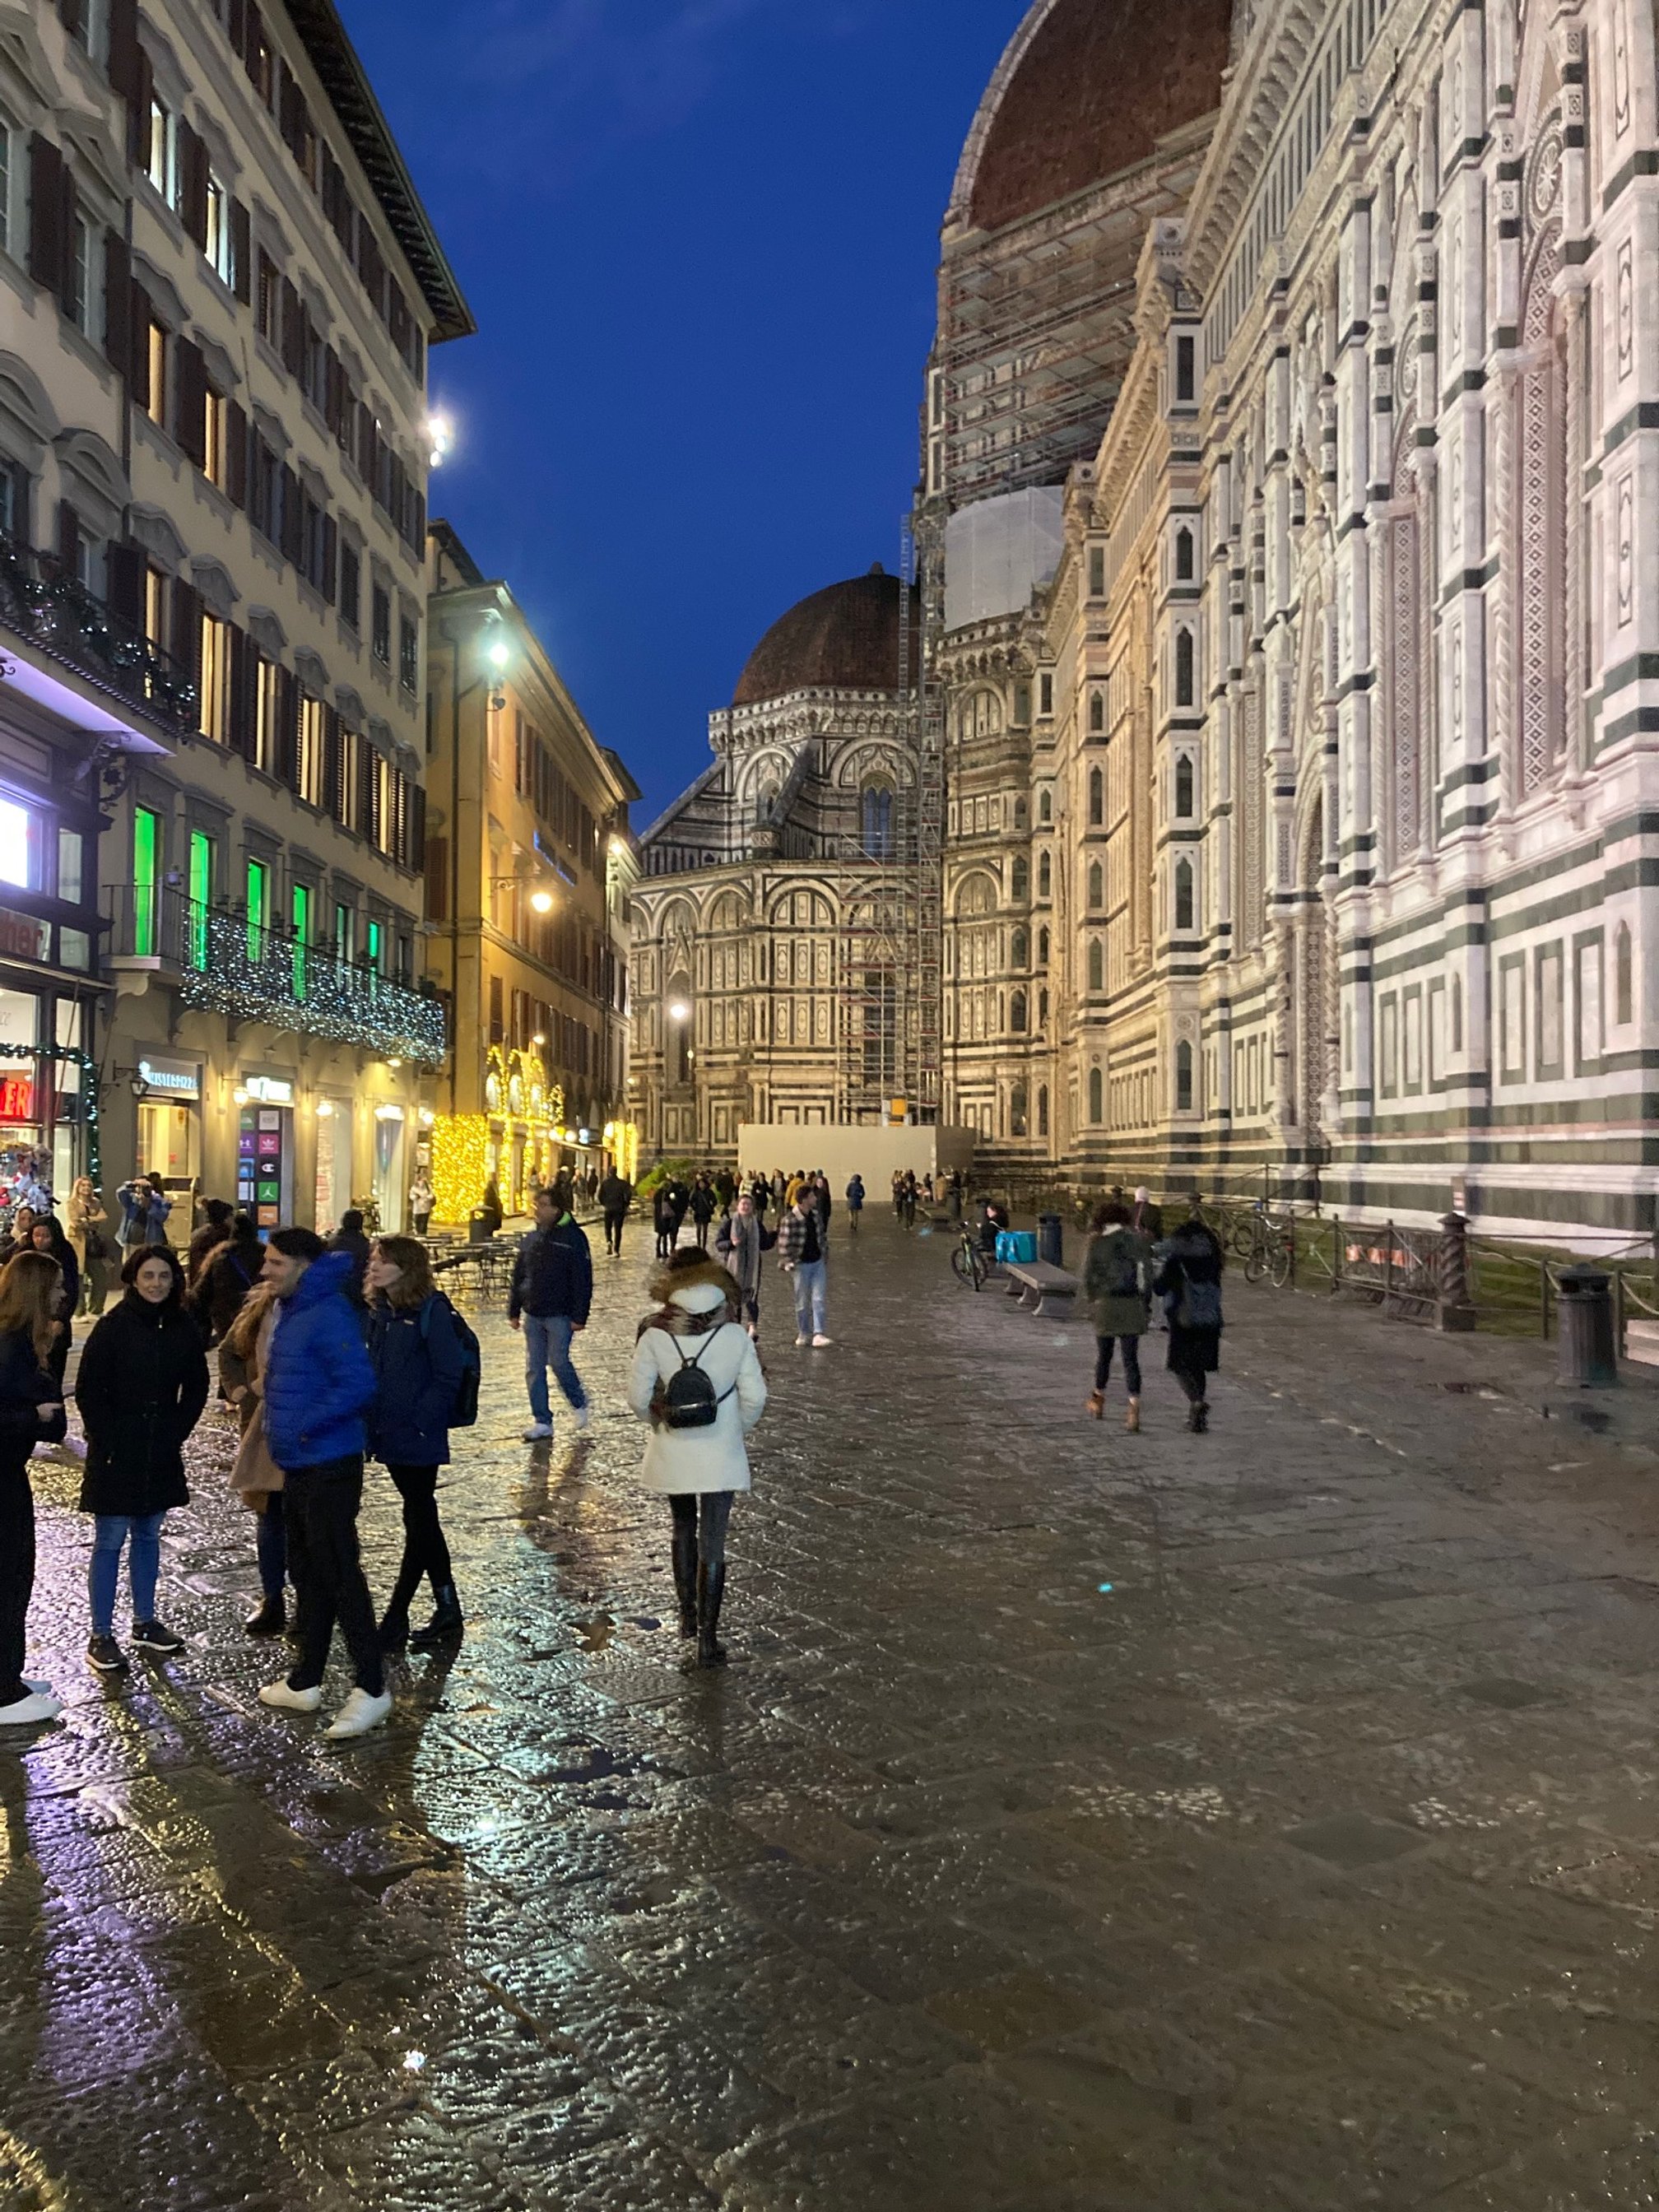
{"type": "Point", "coordinates": [699, 238]}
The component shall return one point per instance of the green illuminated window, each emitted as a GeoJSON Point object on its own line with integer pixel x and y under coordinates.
{"type": "Point", "coordinates": [201, 895]}
{"type": "Point", "coordinates": [342, 933]}
{"type": "Point", "coordinates": [258, 897]}
{"type": "Point", "coordinates": [146, 845]}
{"type": "Point", "coordinates": [373, 947]}
{"type": "Point", "coordinates": [301, 936]}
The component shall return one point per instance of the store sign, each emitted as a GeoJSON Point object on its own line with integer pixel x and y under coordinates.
{"type": "Point", "coordinates": [269, 1090]}
{"type": "Point", "coordinates": [179, 1078]}
{"type": "Point", "coordinates": [24, 936]}
{"type": "Point", "coordinates": [16, 1097]}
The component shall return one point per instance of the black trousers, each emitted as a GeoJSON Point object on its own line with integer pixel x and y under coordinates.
{"type": "Point", "coordinates": [1131, 1362]}
{"type": "Point", "coordinates": [613, 1230]}
{"type": "Point", "coordinates": [320, 1506]}
{"type": "Point", "coordinates": [1193, 1383]}
{"type": "Point", "coordinates": [707, 1511]}
{"type": "Point", "coordinates": [701, 1229]}
{"type": "Point", "coordinates": [425, 1552]}
{"type": "Point", "coordinates": [16, 1566]}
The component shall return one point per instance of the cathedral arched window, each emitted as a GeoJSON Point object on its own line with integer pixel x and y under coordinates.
{"type": "Point", "coordinates": [1183, 1078]}
{"type": "Point", "coordinates": [1183, 788]}
{"type": "Point", "coordinates": [1183, 668]}
{"type": "Point", "coordinates": [1043, 948]}
{"type": "Point", "coordinates": [1019, 949]}
{"type": "Point", "coordinates": [1097, 712]}
{"type": "Point", "coordinates": [1183, 895]}
{"type": "Point", "coordinates": [1183, 556]}
{"type": "Point", "coordinates": [1043, 1109]}
{"type": "Point", "coordinates": [1096, 965]}
{"type": "Point", "coordinates": [1016, 1013]}
{"type": "Point", "coordinates": [1097, 799]}
{"type": "Point", "coordinates": [1540, 612]}
{"type": "Point", "coordinates": [1046, 807]}
{"type": "Point", "coordinates": [1017, 1110]}
{"type": "Point", "coordinates": [1021, 813]}
{"type": "Point", "coordinates": [876, 821]}
{"type": "Point", "coordinates": [1097, 1100]}
{"type": "Point", "coordinates": [1045, 876]}
{"type": "Point", "coordinates": [1096, 885]}
{"type": "Point", "coordinates": [1043, 1017]}
{"type": "Point", "coordinates": [1019, 879]}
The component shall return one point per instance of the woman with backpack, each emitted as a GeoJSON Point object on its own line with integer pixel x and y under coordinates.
{"type": "Point", "coordinates": [1189, 1283]}
{"type": "Point", "coordinates": [697, 1378]}
{"type": "Point", "coordinates": [1115, 1283]}
{"type": "Point", "coordinates": [422, 1360]}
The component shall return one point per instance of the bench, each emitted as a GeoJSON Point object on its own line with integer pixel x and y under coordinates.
{"type": "Point", "coordinates": [1040, 1287]}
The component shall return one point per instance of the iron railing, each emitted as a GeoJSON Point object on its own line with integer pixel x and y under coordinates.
{"type": "Point", "coordinates": [225, 961]}
{"type": "Point", "coordinates": [48, 608]}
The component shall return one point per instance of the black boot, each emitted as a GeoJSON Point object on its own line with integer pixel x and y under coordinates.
{"type": "Point", "coordinates": [394, 1629]}
{"type": "Point", "coordinates": [271, 1620]}
{"type": "Point", "coordinates": [711, 1589]}
{"type": "Point", "coordinates": [445, 1622]}
{"type": "Point", "coordinates": [685, 1579]}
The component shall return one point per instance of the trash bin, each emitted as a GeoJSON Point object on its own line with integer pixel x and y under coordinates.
{"type": "Point", "coordinates": [482, 1226]}
{"type": "Point", "coordinates": [1587, 1357]}
{"type": "Point", "coordinates": [1050, 1247]}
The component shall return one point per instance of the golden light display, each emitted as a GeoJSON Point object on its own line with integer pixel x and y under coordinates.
{"type": "Point", "coordinates": [460, 1157]}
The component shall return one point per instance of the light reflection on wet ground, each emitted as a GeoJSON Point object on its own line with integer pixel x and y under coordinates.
{"type": "Point", "coordinates": [1086, 1822]}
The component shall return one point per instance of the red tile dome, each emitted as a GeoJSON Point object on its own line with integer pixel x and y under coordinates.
{"type": "Point", "coordinates": [844, 638]}
{"type": "Point", "coordinates": [1086, 89]}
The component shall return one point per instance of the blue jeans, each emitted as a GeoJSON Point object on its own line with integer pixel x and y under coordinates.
{"type": "Point", "coordinates": [812, 1295]}
{"type": "Point", "coordinates": [547, 1343]}
{"type": "Point", "coordinates": [142, 1534]}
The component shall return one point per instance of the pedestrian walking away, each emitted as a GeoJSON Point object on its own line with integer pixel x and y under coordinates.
{"type": "Point", "coordinates": [420, 1362]}
{"type": "Point", "coordinates": [1114, 1282]}
{"type": "Point", "coordinates": [662, 1220]}
{"type": "Point", "coordinates": [801, 1255]}
{"type": "Point", "coordinates": [421, 1199]}
{"type": "Point", "coordinates": [855, 1203]}
{"type": "Point", "coordinates": [742, 1239]}
{"type": "Point", "coordinates": [142, 1386]}
{"type": "Point", "coordinates": [1189, 1281]}
{"type": "Point", "coordinates": [31, 1413]}
{"type": "Point", "coordinates": [697, 1378]}
{"type": "Point", "coordinates": [318, 1386]}
{"type": "Point", "coordinates": [615, 1195]}
{"type": "Point", "coordinates": [217, 1214]}
{"type": "Point", "coordinates": [702, 1210]}
{"type": "Point", "coordinates": [551, 1295]}
{"type": "Point", "coordinates": [227, 1280]}
{"type": "Point", "coordinates": [255, 1476]}
{"type": "Point", "coordinates": [349, 1238]}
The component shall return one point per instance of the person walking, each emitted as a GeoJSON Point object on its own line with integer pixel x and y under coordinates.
{"type": "Point", "coordinates": [697, 1378]}
{"type": "Point", "coordinates": [615, 1195]}
{"type": "Point", "coordinates": [703, 1209]}
{"type": "Point", "coordinates": [46, 1236]}
{"type": "Point", "coordinates": [908, 1199]}
{"type": "Point", "coordinates": [421, 1199]}
{"type": "Point", "coordinates": [1189, 1281]}
{"type": "Point", "coordinates": [678, 1198]}
{"type": "Point", "coordinates": [142, 1386]}
{"type": "Point", "coordinates": [739, 1249]}
{"type": "Point", "coordinates": [31, 1413]}
{"type": "Point", "coordinates": [780, 1188]}
{"type": "Point", "coordinates": [1114, 1272]}
{"type": "Point", "coordinates": [227, 1280]}
{"type": "Point", "coordinates": [318, 1386]}
{"type": "Point", "coordinates": [349, 1238]}
{"type": "Point", "coordinates": [254, 1475]}
{"type": "Point", "coordinates": [217, 1214]}
{"type": "Point", "coordinates": [419, 1363]}
{"type": "Point", "coordinates": [490, 1207]}
{"type": "Point", "coordinates": [801, 1255]}
{"type": "Point", "coordinates": [819, 1185]}
{"type": "Point", "coordinates": [726, 1190]}
{"type": "Point", "coordinates": [854, 1202]}
{"type": "Point", "coordinates": [551, 1295]}
{"type": "Point", "coordinates": [85, 1223]}
{"type": "Point", "coordinates": [662, 1220]}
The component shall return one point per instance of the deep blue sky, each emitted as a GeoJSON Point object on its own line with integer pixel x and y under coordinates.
{"type": "Point", "coordinates": [699, 238]}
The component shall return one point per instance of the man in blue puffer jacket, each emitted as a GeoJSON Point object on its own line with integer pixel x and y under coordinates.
{"type": "Point", "coordinates": [319, 1385]}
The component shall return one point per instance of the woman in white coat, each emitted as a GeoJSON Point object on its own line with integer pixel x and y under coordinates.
{"type": "Point", "coordinates": [697, 1456]}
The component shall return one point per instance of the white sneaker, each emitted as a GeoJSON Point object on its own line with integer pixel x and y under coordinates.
{"type": "Point", "coordinates": [30, 1710]}
{"type": "Point", "coordinates": [358, 1715]}
{"type": "Point", "coordinates": [821, 1340]}
{"type": "Point", "coordinates": [538, 1432]}
{"type": "Point", "coordinates": [799, 1340]}
{"type": "Point", "coordinates": [584, 1417]}
{"type": "Point", "coordinates": [290, 1701]}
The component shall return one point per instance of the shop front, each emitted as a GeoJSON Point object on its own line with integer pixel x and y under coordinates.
{"type": "Point", "coordinates": [169, 1094]}
{"type": "Point", "coordinates": [264, 1149]}
{"type": "Point", "coordinates": [333, 1172]}
{"type": "Point", "coordinates": [391, 1176]}
{"type": "Point", "coordinates": [48, 1094]}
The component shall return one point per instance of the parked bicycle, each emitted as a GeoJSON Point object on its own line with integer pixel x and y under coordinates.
{"type": "Point", "coordinates": [1266, 1245]}
{"type": "Point", "coordinates": [969, 1262]}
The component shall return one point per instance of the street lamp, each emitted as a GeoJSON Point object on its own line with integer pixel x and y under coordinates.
{"type": "Point", "coordinates": [679, 1012]}
{"type": "Point", "coordinates": [542, 902]}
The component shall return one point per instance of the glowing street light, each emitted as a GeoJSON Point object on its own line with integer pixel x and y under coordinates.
{"type": "Point", "coordinates": [498, 653]}
{"type": "Point", "coordinates": [679, 1012]}
{"type": "Point", "coordinates": [542, 902]}
{"type": "Point", "coordinates": [441, 440]}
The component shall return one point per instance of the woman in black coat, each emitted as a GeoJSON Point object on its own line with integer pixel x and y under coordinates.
{"type": "Point", "coordinates": [31, 1413]}
{"type": "Point", "coordinates": [47, 1236]}
{"type": "Point", "coordinates": [142, 1383]}
{"type": "Point", "coordinates": [1189, 1281]}
{"type": "Point", "coordinates": [419, 1361]}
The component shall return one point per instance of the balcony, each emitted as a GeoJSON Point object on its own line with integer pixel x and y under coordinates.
{"type": "Point", "coordinates": [50, 611]}
{"type": "Point", "coordinates": [222, 963]}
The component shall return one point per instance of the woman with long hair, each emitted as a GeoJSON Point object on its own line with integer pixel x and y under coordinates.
{"type": "Point", "coordinates": [254, 1475]}
{"type": "Point", "coordinates": [142, 1386]}
{"type": "Point", "coordinates": [86, 1225]}
{"type": "Point", "coordinates": [419, 1362]}
{"type": "Point", "coordinates": [31, 1413]}
{"type": "Point", "coordinates": [45, 1234]}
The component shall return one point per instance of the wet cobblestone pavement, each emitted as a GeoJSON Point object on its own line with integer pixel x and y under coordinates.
{"type": "Point", "coordinates": [1314, 1863]}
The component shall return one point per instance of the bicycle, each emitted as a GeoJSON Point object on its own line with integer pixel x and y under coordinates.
{"type": "Point", "coordinates": [968, 1263]}
{"type": "Point", "coordinates": [1272, 1249]}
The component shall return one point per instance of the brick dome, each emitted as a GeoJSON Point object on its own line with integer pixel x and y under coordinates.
{"type": "Point", "coordinates": [1086, 89]}
{"type": "Point", "coordinates": [844, 638]}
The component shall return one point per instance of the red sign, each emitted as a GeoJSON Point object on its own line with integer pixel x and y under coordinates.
{"type": "Point", "coordinates": [16, 1097]}
{"type": "Point", "coordinates": [23, 936]}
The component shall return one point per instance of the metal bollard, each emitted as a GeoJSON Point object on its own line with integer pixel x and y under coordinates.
{"type": "Point", "coordinates": [1455, 1309]}
{"type": "Point", "coordinates": [1584, 1329]}
{"type": "Point", "coordinates": [1049, 1246]}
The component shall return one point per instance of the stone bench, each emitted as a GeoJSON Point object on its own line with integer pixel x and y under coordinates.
{"type": "Point", "coordinates": [1040, 1287]}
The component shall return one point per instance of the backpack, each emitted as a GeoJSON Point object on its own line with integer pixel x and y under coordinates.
{"type": "Point", "coordinates": [1122, 1272]}
{"type": "Point", "coordinates": [690, 1400]}
{"type": "Point", "coordinates": [464, 1413]}
{"type": "Point", "coordinates": [1199, 1305]}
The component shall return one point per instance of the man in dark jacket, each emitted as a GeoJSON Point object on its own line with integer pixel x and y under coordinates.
{"type": "Point", "coordinates": [552, 1293]}
{"type": "Point", "coordinates": [675, 1198]}
{"type": "Point", "coordinates": [616, 1196]}
{"type": "Point", "coordinates": [349, 1237]}
{"type": "Point", "coordinates": [228, 1277]}
{"type": "Point", "coordinates": [318, 1386]}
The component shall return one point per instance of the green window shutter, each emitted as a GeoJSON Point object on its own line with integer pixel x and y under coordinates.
{"type": "Point", "coordinates": [146, 846]}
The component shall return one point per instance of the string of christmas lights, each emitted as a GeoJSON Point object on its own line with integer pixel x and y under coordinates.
{"type": "Point", "coordinates": [88, 1094]}
{"type": "Point", "coordinates": [340, 1003]}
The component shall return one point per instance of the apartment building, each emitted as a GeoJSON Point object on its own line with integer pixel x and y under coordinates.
{"type": "Point", "coordinates": [530, 863]}
{"type": "Point", "coordinates": [228, 288]}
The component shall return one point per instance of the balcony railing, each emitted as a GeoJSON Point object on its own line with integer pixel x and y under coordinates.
{"type": "Point", "coordinates": [50, 609]}
{"type": "Point", "coordinates": [224, 962]}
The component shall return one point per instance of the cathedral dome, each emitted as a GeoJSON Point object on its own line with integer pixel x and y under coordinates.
{"type": "Point", "coordinates": [845, 638]}
{"type": "Point", "coordinates": [1086, 89]}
